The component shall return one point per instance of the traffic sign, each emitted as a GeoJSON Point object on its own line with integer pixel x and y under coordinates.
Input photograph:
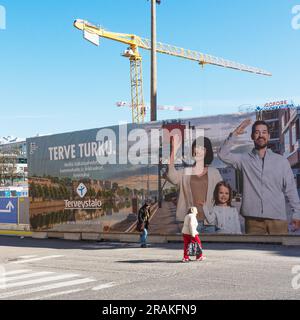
{"type": "Point", "coordinates": [9, 210]}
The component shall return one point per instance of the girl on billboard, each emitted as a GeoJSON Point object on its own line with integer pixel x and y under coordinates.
{"type": "Point", "coordinates": [223, 215]}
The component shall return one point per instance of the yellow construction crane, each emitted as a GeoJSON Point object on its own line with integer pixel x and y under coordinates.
{"type": "Point", "coordinates": [134, 42]}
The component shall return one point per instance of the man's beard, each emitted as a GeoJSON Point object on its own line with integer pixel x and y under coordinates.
{"type": "Point", "coordinates": [260, 146]}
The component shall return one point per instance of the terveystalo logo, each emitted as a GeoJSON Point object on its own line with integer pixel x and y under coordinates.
{"type": "Point", "coordinates": [90, 204]}
{"type": "Point", "coordinates": [81, 190]}
{"type": "Point", "coordinates": [84, 205]}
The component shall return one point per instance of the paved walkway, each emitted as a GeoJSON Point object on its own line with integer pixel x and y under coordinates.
{"type": "Point", "coordinates": [164, 221]}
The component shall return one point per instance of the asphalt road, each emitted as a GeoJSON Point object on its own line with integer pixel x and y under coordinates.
{"type": "Point", "coordinates": [62, 270]}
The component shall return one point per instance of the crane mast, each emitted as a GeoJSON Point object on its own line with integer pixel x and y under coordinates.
{"type": "Point", "coordinates": [135, 42]}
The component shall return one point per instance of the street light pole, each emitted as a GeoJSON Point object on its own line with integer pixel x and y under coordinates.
{"type": "Point", "coordinates": [154, 88]}
{"type": "Point", "coordinates": [153, 62]}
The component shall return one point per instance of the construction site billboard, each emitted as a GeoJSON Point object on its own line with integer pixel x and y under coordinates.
{"type": "Point", "coordinates": [96, 180]}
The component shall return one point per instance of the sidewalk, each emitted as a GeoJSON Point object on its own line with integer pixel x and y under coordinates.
{"type": "Point", "coordinates": [156, 236]}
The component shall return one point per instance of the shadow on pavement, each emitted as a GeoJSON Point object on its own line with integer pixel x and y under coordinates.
{"type": "Point", "coordinates": [147, 261]}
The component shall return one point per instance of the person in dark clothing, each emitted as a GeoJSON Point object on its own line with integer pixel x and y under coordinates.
{"type": "Point", "coordinates": [143, 223]}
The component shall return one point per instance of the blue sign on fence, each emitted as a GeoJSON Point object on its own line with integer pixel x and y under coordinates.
{"type": "Point", "coordinates": [8, 210]}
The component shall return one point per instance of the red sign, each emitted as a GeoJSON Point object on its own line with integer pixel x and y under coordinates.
{"type": "Point", "coordinates": [276, 103]}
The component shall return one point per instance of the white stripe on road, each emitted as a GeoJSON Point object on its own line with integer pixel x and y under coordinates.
{"type": "Point", "coordinates": [47, 279]}
{"type": "Point", "coordinates": [45, 288]}
{"type": "Point", "coordinates": [56, 294]}
{"type": "Point", "coordinates": [10, 273]}
{"type": "Point", "coordinates": [25, 276]}
{"type": "Point", "coordinates": [27, 257]}
{"type": "Point", "coordinates": [104, 286]}
{"type": "Point", "coordinates": [36, 259]}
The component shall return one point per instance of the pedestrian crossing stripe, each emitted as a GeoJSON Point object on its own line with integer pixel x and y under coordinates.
{"type": "Point", "coordinates": [36, 281]}
{"type": "Point", "coordinates": [45, 288]}
{"type": "Point", "coordinates": [24, 276]}
{"type": "Point", "coordinates": [56, 294]}
{"type": "Point", "coordinates": [30, 282]}
{"type": "Point", "coordinates": [36, 259]}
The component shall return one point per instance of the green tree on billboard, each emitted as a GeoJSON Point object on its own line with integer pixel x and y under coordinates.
{"type": "Point", "coordinates": [33, 190]}
{"type": "Point", "coordinates": [39, 191]}
{"type": "Point", "coordinates": [99, 194]}
{"type": "Point", "coordinates": [45, 192]}
{"type": "Point", "coordinates": [55, 193]}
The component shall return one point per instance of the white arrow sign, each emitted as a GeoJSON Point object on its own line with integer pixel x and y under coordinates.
{"type": "Point", "coordinates": [9, 208]}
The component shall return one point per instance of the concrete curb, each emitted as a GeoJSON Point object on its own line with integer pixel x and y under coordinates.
{"type": "Point", "coordinates": [72, 236]}
{"type": "Point", "coordinates": [23, 230]}
{"type": "Point", "coordinates": [55, 235]}
{"type": "Point", "coordinates": [91, 236]}
{"type": "Point", "coordinates": [288, 240]}
{"type": "Point", "coordinates": [17, 227]}
{"type": "Point", "coordinates": [18, 230]}
{"type": "Point", "coordinates": [291, 241]}
{"type": "Point", "coordinates": [39, 235]}
{"type": "Point", "coordinates": [15, 233]}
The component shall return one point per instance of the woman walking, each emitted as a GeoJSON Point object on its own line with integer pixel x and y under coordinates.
{"type": "Point", "coordinates": [191, 235]}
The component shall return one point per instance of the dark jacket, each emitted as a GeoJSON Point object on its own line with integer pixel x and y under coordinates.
{"type": "Point", "coordinates": [144, 215]}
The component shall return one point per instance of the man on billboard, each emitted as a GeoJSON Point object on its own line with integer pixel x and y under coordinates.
{"type": "Point", "coordinates": [268, 181]}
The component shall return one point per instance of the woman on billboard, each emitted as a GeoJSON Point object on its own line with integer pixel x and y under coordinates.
{"type": "Point", "coordinates": [196, 184]}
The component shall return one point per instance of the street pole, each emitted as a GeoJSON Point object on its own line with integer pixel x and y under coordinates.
{"type": "Point", "coordinates": [153, 63]}
{"type": "Point", "coordinates": [154, 88]}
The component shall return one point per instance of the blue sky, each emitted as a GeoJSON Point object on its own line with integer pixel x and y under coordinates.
{"type": "Point", "coordinates": [51, 80]}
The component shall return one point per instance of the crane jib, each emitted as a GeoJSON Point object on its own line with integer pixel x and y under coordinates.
{"type": "Point", "coordinates": [134, 42]}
